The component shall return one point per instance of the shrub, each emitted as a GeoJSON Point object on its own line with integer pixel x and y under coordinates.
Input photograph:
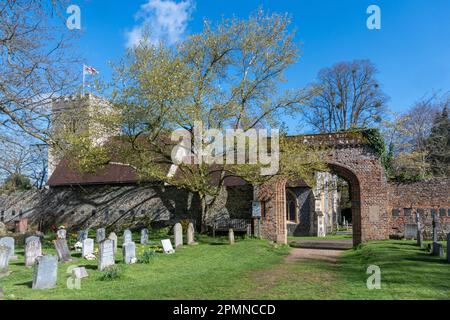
{"type": "Point", "coordinates": [147, 256]}
{"type": "Point", "coordinates": [111, 273]}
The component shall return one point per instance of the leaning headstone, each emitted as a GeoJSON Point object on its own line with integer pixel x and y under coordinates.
{"type": "Point", "coordinates": [62, 250]}
{"type": "Point", "coordinates": [79, 273]}
{"type": "Point", "coordinates": [9, 242]}
{"type": "Point", "coordinates": [190, 234]}
{"type": "Point", "coordinates": [112, 236]}
{"type": "Point", "coordinates": [33, 250]}
{"type": "Point", "coordinates": [129, 252]}
{"type": "Point", "coordinates": [5, 253]}
{"type": "Point", "coordinates": [231, 236]}
{"type": "Point", "coordinates": [45, 272]}
{"type": "Point", "coordinates": [61, 234]}
{"type": "Point", "coordinates": [127, 236]}
{"type": "Point", "coordinates": [167, 246]}
{"type": "Point", "coordinates": [101, 235]}
{"type": "Point", "coordinates": [448, 247]}
{"type": "Point", "coordinates": [144, 236]}
{"type": "Point", "coordinates": [106, 254]}
{"type": "Point", "coordinates": [88, 247]}
{"type": "Point", "coordinates": [178, 233]}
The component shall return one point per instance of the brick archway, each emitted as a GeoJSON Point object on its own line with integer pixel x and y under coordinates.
{"type": "Point", "coordinates": [355, 161]}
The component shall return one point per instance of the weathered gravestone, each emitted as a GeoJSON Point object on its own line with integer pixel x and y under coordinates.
{"type": "Point", "coordinates": [5, 253]}
{"type": "Point", "coordinates": [144, 236]}
{"type": "Point", "coordinates": [45, 272]}
{"type": "Point", "coordinates": [61, 234]}
{"type": "Point", "coordinates": [436, 250]}
{"type": "Point", "coordinates": [79, 273]}
{"type": "Point", "coordinates": [101, 235]}
{"type": "Point", "coordinates": [411, 231]}
{"type": "Point", "coordinates": [190, 234]}
{"type": "Point", "coordinates": [112, 236]}
{"type": "Point", "coordinates": [9, 242]}
{"type": "Point", "coordinates": [82, 235]}
{"type": "Point", "coordinates": [448, 247]}
{"type": "Point", "coordinates": [127, 236]}
{"type": "Point", "coordinates": [88, 247]}
{"type": "Point", "coordinates": [62, 250]}
{"type": "Point", "coordinates": [33, 249]}
{"type": "Point", "coordinates": [106, 254]}
{"type": "Point", "coordinates": [129, 252]}
{"type": "Point", "coordinates": [167, 246]}
{"type": "Point", "coordinates": [178, 233]}
{"type": "Point", "coordinates": [231, 236]}
{"type": "Point", "coordinates": [419, 229]}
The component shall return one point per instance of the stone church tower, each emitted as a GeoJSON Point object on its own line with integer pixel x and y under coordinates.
{"type": "Point", "coordinates": [77, 114]}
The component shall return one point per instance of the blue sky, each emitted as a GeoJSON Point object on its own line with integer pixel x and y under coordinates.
{"type": "Point", "coordinates": [411, 51]}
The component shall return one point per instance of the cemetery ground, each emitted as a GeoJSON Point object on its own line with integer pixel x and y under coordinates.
{"type": "Point", "coordinates": [249, 269]}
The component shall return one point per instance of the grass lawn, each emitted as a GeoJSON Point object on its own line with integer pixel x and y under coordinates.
{"type": "Point", "coordinates": [251, 269]}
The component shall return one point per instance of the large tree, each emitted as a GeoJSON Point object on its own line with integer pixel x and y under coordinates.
{"type": "Point", "coordinates": [438, 146]}
{"type": "Point", "coordinates": [36, 65]}
{"type": "Point", "coordinates": [226, 77]}
{"type": "Point", "coordinates": [345, 95]}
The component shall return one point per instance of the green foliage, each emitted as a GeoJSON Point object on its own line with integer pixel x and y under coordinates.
{"type": "Point", "coordinates": [438, 146]}
{"type": "Point", "coordinates": [16, 182]}
{"type": "Point", "coordinates": [112, 273]}
{"type": "Point", "coordinates": [147, 256]}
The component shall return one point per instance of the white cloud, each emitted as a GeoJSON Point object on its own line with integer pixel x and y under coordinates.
{"type": "Point", "coordinates": [165, 20]}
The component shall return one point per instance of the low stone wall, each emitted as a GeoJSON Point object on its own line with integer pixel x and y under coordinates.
{"type": "Point", "coordinates": [116, 206]}
{"type": "Point", "coordinates": [428, 198]}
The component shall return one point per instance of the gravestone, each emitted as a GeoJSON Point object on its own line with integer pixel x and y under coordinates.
{"type": "Point", "coordinates": [62, 250]}
{"type": "Point", "coordinates": [436, 250]}
{"type": "Point", "coordinates": [129, 252]}
{"type": "Point", "coordinates": [82, 235]}
{"type": "Point", "coordinates": [448, 247]}
{"type": "Point", "coordinates": [79, 273]}
{"type": "Point", "coordinates": [190, 234]}
{"type": "Point", "coordinates": [101, 235]}
{"type": "Point", "coordinates": [45, 272]}
{"type": "Point", "coordinates": [231, 236]}
{"type": "Point", "coordinates": [411, 231]}
{"type": "Point", "coordinates": [106, 254]}
{"type": "Point", "coordinates": [112, 236]}
{"type": "Point", "coordinates": [419, 229]}
{"type": "Point", "coordinates": [127, 236]}
{"type": "Point", "coordinates": [144, 236]}
{"type": "Point", "coordinates": [5, 253]}
{"type": "Point", "coordinates": [9, 242]}
{"type": "Point", "coordinates": [178, 233]}
{"type": "Point", "coordinates": [61, 234]}
{"type": "Point", "coordinates": [167, 246]}
{"type": "Point", "coordinates": [33, 249]}
{"type": "Point", "coordinates": [87, 248]}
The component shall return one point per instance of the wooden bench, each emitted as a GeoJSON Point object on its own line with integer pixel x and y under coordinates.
{"type": "Point", "coordinates": [238, 225]}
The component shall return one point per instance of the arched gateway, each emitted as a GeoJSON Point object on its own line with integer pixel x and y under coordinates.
{"type": "Point", "coordinates": [350, 156]}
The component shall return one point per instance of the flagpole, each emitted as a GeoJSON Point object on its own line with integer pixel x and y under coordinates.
{"type": "Point", "coordinates": [84, 76]}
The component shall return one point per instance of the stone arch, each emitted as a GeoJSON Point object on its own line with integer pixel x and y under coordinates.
{"type": "Point", "coordinates": [354, 160]}
{"type": "Point", "coordinates": [355, 195]}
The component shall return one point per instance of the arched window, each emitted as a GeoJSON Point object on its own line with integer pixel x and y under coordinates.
{"type": "Point", "coordinates": [292, 207]}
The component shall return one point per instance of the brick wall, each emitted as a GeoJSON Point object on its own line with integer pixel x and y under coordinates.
{"type": "Point", "coordinates": [426, 197]}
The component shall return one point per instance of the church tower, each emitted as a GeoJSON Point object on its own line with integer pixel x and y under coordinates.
{"type": "Point", "coordinates": [77, 114]}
